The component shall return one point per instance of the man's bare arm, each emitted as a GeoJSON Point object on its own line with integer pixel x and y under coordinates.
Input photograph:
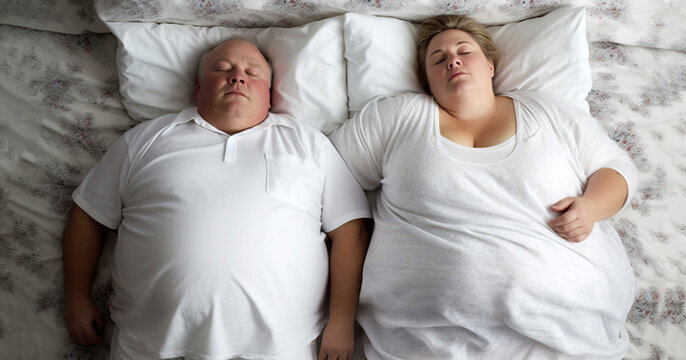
{"type": "Point", "coordinates": [348, 250]}
{"type": "Point", "coordinates": [81, 247]}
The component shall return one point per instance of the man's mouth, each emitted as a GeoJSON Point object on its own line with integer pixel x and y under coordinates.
{"type": "Point", "coordinates": [235, 92]}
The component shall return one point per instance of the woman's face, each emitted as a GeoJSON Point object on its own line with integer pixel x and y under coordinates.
{"type": "Point", "coordinates": [456, 65]}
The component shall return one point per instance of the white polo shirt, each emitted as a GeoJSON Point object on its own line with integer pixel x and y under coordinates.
{"type": "Point", "coordinates": [220, 251]}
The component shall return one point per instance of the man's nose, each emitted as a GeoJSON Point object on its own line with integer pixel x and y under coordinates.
{"type": "Point", "coordinates": [237, 78]}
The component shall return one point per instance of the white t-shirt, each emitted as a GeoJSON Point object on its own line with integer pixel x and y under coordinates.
{"type": "Point", "coordinates": [462, 263]}
{"type": "Point", "coordinates": [220, 251]}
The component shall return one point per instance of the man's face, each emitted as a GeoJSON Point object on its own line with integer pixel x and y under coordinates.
{"type": "Point", "coordinates": [235, 83]}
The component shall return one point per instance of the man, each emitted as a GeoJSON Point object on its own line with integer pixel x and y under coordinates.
{"type": "Point", "coordinates": [221, 212]}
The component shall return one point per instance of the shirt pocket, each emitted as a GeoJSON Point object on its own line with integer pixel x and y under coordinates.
{"type": "Point", "coordinates": [294, 180]}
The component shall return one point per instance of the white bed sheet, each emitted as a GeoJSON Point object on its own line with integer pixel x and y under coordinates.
{"type": "Point", "coordinates": [60, 109]}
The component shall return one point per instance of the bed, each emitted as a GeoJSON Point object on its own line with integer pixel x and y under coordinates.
{"type": "Point", "coordinates": [75, 75]}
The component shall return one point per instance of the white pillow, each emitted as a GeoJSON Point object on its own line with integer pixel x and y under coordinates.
{"type": "Point", "coordinates": [157, 65]}
{"type": "Point", "coordinates": [547, 54]}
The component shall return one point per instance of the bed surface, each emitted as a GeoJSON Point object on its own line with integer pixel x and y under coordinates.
{"type": "Point", "coordinates": [60, 109]}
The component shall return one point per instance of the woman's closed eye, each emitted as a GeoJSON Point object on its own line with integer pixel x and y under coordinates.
{"type": "Point", "coordinates": [439, 60]}
{"type": "Point", "coordinates": [442, 58]}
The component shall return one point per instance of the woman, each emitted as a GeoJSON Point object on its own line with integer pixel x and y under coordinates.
{"type": "Point", "coordinates": [488, 241]}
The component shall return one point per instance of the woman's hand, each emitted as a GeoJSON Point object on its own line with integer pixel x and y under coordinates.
{"type": "Point", "coordinates": [338, 341]}
{"type": "Point", "coordinates": [606, 192]}
{"type": "Point", "coordinates": [576, 221]}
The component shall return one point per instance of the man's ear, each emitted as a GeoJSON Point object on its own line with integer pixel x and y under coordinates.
{"type": "Point", "coordinates": [197, 88]}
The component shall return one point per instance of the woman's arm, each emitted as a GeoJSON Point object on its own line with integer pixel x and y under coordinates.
{"type": "Point", "coordinates": [605, 194]}
{"type": "Point", "coordinates": [610, 174]}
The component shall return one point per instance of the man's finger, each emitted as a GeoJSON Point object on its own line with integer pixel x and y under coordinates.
{"type": "Point", "coordinates": [91, 336]}
{"type": "Point", "coordinates": [99, 324]}
{"type": "Point", "coordinates": [80, 339]}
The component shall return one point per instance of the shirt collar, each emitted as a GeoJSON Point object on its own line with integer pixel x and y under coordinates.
{"type": "Point", "coordinates": [191, 114]}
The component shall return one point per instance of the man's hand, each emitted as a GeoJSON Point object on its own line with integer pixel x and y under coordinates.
{"type": "Point", "coordinates": [84, 321]}
{"type": "Point", "coordinates": [576, 221]}
{"type": "Point", "coordinates": [338, 341]}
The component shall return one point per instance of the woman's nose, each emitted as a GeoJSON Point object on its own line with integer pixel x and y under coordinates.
{"type": "Point", "coordinates": [454, 62]}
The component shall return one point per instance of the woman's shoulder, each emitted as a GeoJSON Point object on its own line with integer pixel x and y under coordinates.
{"type": "Point", "coordinates": [544, 103]}
{"type": "Point", "coordinates": [398, 100]}
{"type": "Point", "coordinates": [534, 111]}
{"type": "Point", "coordinates": [537, 111]}
{"type": "Point", "coordinates": [388, 116]}
{"type": "Point", "coordinates": [396, 107]}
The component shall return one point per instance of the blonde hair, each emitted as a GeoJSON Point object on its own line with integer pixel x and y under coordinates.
{"type": "Point", "coordinates": [437, 24]}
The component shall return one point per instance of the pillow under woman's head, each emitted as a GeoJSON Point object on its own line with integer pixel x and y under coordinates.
{"type": "Point", "coordinates": [547, 54]}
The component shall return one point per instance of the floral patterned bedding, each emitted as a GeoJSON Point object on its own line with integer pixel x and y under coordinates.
{"type": "Point", "coordinates": [60, 109]}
